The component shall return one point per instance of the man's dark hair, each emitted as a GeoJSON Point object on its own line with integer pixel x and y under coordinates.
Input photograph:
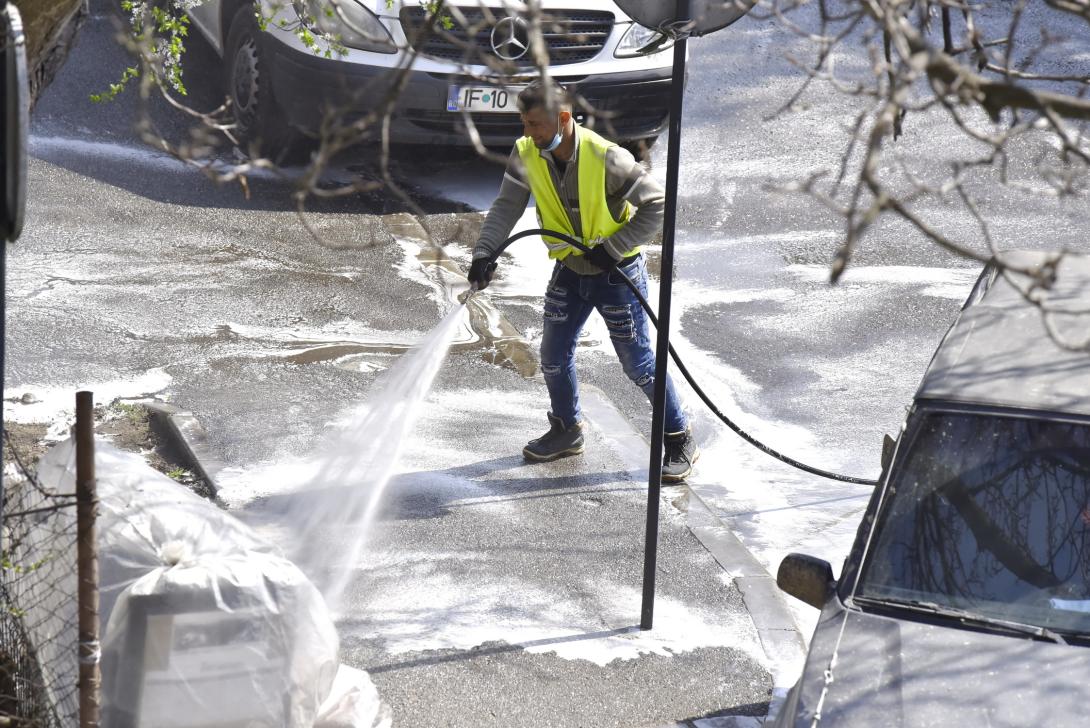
{"type": "Point", "coordinates": [544, 95]}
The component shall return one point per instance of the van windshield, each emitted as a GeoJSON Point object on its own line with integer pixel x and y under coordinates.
{"type": "Point", "coordinates": [990, 515]}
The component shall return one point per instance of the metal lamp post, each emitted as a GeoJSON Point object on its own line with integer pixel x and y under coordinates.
{"type": "Point", "coordinates": [686, 18]}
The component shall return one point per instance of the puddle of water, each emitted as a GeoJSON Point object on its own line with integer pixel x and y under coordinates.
{"type": "Point", "coordinates": [339, 351]}
{"type": "Point", "coordinates": [353, 466]}
{"type": "Point", "coordinates": [504, 344]}
{"type": "Point", "coordinates": [507, 346]}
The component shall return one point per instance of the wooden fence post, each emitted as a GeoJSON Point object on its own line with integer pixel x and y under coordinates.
{"type": "Point", "coordinates": [90, 678]}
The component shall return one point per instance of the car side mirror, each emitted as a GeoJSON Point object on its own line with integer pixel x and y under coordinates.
{"type": "Point", "coordinates": [889, 446]}
{"type": "Point", "coordinates": [806, 578]}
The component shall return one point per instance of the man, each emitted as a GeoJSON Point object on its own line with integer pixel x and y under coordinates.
{"type": "Point", "coordinates": [594, 191]}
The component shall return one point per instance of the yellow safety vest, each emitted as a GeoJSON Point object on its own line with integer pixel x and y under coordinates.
{"type": "Point", "coordinates": [596, 221]}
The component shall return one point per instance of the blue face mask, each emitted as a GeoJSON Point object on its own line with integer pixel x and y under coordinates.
{"type": "Point", "coordinates": [557, 138]}
{"type": "Point", "coordinates": [554, 143]}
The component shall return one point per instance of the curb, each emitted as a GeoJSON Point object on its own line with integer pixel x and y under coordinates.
{"type": "Point", "coordinates": [779, 634]}
{"type": "Point", "coordinates": [189, 438]}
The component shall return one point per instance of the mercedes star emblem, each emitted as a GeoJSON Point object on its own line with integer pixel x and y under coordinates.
{"type": "Point", "coordinates": [510, 39]}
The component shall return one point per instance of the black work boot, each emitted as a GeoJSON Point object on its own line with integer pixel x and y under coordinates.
{"type": "Point", "coordinates": [680, 452]}
{"type": "Point", "coordinates": [558, 442]}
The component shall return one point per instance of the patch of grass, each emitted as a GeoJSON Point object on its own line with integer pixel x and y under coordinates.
{"type": "Point", "coordinates": [127, 425]}
{"type": "Point", "coordinates": [134, 413]}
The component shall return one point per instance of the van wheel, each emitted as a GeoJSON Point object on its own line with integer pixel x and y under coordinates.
{"type": "Point", "coordinates": [641, 148]}
{"type": "Point", "coordinates": [258, 119]}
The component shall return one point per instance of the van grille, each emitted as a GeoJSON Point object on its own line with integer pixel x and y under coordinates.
{"type": "Point", "coordinates": [628, 111]}
{"type": "Point", "coordinates": [571, 36]}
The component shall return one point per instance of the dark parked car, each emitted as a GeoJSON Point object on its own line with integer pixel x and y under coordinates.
{"type": "Point", "coordinates": [965, 599]}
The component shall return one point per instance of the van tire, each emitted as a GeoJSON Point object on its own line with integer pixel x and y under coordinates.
{"type": "Point", "coordinates": [259, 121]}
{"type": "Point", "coordinates": [641, 148]}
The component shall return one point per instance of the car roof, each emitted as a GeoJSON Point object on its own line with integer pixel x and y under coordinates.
{"type": "Point", "coordinates": [1000, 352]}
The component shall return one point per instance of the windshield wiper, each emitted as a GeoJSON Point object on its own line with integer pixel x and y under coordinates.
{"type": "Point", "coordinates": [940, 610]}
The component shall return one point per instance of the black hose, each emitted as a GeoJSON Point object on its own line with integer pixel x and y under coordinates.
{"type": "Point", "coordinates": [685, 372]}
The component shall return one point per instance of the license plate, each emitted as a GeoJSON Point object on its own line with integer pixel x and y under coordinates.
{"type": "Point", "coordinates": [483, 99]}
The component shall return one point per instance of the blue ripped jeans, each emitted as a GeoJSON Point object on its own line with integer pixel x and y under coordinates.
{"type": "Point", "coordinates": [569, 300]}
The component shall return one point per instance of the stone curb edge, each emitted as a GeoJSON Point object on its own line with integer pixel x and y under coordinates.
{"type": "Point", "coordinates": [189, 438]}
{"type": "Point", "coordinates": [776, 627]}
{"type": "Point", "coordinates": [780, 637]}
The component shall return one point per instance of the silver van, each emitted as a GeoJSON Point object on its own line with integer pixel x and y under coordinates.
{"type": "Point", "coordinates": [284, 77]}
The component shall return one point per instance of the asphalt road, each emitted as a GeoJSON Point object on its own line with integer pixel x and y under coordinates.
{"type": "Point", "coordinates": [494, 594]}
{"type": "Point", "coordinates": [823, 372]}
{"type": "Point", "coordinates": [138, 277]}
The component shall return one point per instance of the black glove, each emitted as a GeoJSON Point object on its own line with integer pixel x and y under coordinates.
{"type": "Point", "coordinates": [601, 258]}
{"type": "Point", "coordinates": [481, 272]}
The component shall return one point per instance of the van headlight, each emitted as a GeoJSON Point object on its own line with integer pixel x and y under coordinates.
{"type": "Point", "coordinates": [641, 41]}
{"type": "Point", "coordinates": [346, 22]}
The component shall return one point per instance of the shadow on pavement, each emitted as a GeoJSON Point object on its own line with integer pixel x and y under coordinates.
{"type": "Point", "coordinates": [429, 494]}
{"type": "Point", "coordinates": [98, 140]}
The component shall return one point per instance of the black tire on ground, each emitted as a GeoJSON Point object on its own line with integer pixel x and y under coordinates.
{"type": "Point", "coordinates": [258, 118]}
{"type": "Point", "coordinates": [641, 148]}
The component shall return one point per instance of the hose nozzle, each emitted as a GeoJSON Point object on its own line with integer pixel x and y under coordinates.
{"type": "Point", "coordinates": [480, 272]}
{"type": "Point", "coordinates": [467, 294]}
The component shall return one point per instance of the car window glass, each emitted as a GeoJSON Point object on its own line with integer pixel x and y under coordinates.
{"type": "Point", "coordinates": [989, 514]}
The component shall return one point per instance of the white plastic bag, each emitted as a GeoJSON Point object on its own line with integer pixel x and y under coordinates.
{"type": "Point", "coordinates": [353, 703]}
{"type": "Point", "coordinates": [204, 623]}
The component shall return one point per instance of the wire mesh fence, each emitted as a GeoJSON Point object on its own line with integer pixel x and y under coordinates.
{"type": "Point", "coordinates": [39, 659]}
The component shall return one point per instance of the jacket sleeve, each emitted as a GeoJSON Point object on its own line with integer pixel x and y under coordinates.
{"type": "Point", "coordinates": [627, 180]}
{"type": "Point", "coordinates": [506, 210]}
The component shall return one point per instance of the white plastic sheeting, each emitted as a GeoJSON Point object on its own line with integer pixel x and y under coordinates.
{"type": "Point", "coordinates": [204, 623]}
{"type": "Point", "coordinates": [353, 703]}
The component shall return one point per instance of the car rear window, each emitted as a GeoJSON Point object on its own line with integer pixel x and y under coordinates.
{"type": "Point", "coordinates": [989, 514]}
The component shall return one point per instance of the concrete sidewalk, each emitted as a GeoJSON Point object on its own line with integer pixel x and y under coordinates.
{"type": "Point", "coordinates": [496, 592]}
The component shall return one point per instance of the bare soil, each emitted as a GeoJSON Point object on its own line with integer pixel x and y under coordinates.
{"type": "Point", "coordinates": [128, 426]}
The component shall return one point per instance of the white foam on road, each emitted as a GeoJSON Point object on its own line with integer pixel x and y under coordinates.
{"type": "Point", "coordinates": [341, 331]}
{"type": "Point", "coordinates": [242, 484]}
{"type": "Point", "coordinates": [691, 294]}
{"type": "Point", "coordinates": [57, 149]}
{"type": "Point", "coordinates": [730, 721]}
{"type": "Point", "coordinates": [418, 605]}
{"type": "Point", "coordinates": [415, 600]}
{"type": "Point", "coordinates": [952, 283]}
{"type": "Point", "coordinates": [56, 404]}
{"type": "Point", "coordinates": [772, 508]}
{"type": "Point", "coordinates": [757, 240]}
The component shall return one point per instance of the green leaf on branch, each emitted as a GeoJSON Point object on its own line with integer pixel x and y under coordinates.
{"type": "Point", "coordinates": [116, 88]}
